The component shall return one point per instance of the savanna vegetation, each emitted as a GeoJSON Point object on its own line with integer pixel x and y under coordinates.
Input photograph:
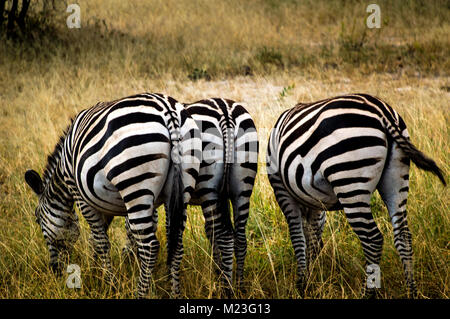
{"type": "Point", "coordinates": [268, 54]}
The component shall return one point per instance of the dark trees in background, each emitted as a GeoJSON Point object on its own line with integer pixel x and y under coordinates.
{"type": "Point", "coordinates": [12, 16]}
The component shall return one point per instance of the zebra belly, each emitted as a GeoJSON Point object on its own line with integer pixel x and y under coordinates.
{"type": "Point", "coordinates": [312, 191]}
{"type": "Point", "coordinates": [108, 192]}
{"type": "Point", "coordinates": [107, 198]}
{"type": "Point", "coordinates": [326, 201]}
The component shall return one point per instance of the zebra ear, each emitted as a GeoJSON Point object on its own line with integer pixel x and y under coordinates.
{"type": "Point", "coordinates": [34, 181]}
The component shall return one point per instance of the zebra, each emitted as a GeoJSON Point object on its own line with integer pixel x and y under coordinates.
{"type": "Point", "coordinates": [121, 158]}
{"type": "Point", "coordinates": [227, 172]}
{"type": "Point", "coordinates": [332, 155]}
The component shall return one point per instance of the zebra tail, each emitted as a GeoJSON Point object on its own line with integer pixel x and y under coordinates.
{"type": "Point", "coordinates": [175, 213]}
{"type": "Point", "coordinates": [416, 156]}
{"type": "Point", "coordinates": [223, 203]}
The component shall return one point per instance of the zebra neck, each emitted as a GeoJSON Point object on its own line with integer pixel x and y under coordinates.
{"type": "Point", "coordinates": [59, 187]}
{"type": "Point", "coordinates": [57, 175]}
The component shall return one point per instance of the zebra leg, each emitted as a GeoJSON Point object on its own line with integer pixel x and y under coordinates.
{"type": "Point", "coordinates": [318, 221]}
{"type": "Point", "coordinates": [174, 265]}
{"type": "Point", "coordinates": [143, 221]}
{"type": "Point", "coordinates": [240, 212]}
{"type": "Point", "coordinates": [220, 236]}
{"type": "Point", "coordinates": [225, 242]}
{"type": "Point", "coordinates": [60, 251]}
{"type": "Point", "coordinates": [393, 188]}
{"type": "Point", "coordinates": [55, 263]}
{"type": "Point", "coordinates": [210, 215]}
{"type": "Point", "coordinates": [311, 229]}
{"type": "Point", "coordinates": [107, 221]}
{"type": "Point", "coordinates": [359, 215]}
{"type": "Point", "coordinates": [130, 247]}
{"type": "Point", "coordinates": [242, 180]}
{"type": "Point", "coordinates": [291, 211]}
{"type": "Point", "coordinates": [99, 239]}
{"type": "Point", "coordinates": [176, 261]}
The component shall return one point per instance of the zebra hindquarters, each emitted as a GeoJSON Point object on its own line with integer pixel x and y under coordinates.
{"type": "Point", "coordinates": [353, 178]}
{"type": "Point", "coordinates": [393, 188]}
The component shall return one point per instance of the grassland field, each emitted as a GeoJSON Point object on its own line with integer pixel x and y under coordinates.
{"type": "Point", "coordinates": [267, 54]}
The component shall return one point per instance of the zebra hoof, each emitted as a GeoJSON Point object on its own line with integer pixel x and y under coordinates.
{"type": "Point", "coordinates": [176, 295]}
{"type": "Point", "coordinates": [412, 292]}
{"type": "Point", "coordinates": [57, 268]}
{"type": "Point", "coordinates": [371, 293]}
{"type": "Point", "coordinates": [320, 244]}
{"type": "Point", "coordinates": [241, 288]}
{"type": "Point", "coordinates": [139, 296]}
{"type": "Point", "coordinates": [109, 278]}
{"type": "Point", "coordinates": [301, 286]}
{"type": "Point", "coordinates": [227, 292]}
{"type": "Point", "coordinates": [110, 284]}
{"type": "Point", "coordinates": [176, 291]}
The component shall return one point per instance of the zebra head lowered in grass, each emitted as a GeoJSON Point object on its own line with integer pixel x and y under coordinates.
{"type": "Point", "coordinates": [227, 173]}
{"type": "Point", "coordinates": [333, 154]}
{"type": "Point", "coordinates": [122, 158]}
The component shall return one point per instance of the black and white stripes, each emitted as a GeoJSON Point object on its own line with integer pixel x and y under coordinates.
{"type": "Point", "coordinates": [124, 157]}
{"type": "Point", "coordinates": [333, 154]}
{"type": "Point", "coordinates": [227, 172]}
{"type": "Point", "coordinates": [129, 156]}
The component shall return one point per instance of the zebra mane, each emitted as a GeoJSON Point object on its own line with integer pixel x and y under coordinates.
{"type": "Point", "coordinates": [55, 156]}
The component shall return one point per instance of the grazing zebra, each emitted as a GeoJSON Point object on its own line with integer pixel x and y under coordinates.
{"type": "Point", "coordinates": [124, 157]}
{"type": "Point", "coordinates": [227, 172]}
{"type": "Point", "coordinates": [332, 155]}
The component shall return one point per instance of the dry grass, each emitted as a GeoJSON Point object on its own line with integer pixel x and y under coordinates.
{"type": "Point", "coordinates": [156, 47]}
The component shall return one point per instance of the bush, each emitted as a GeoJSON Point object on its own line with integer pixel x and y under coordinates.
{"type": "Point", "coordinates": [269, 56]}
{"type": "Point", "coordinates": [19, 17]}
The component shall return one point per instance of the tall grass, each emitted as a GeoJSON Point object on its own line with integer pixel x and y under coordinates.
{"type": "Point", "coordinates": [268, 54]}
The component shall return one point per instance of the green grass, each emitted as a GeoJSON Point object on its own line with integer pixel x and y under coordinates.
{"type": "Point", "coordinates": [267, 54]}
